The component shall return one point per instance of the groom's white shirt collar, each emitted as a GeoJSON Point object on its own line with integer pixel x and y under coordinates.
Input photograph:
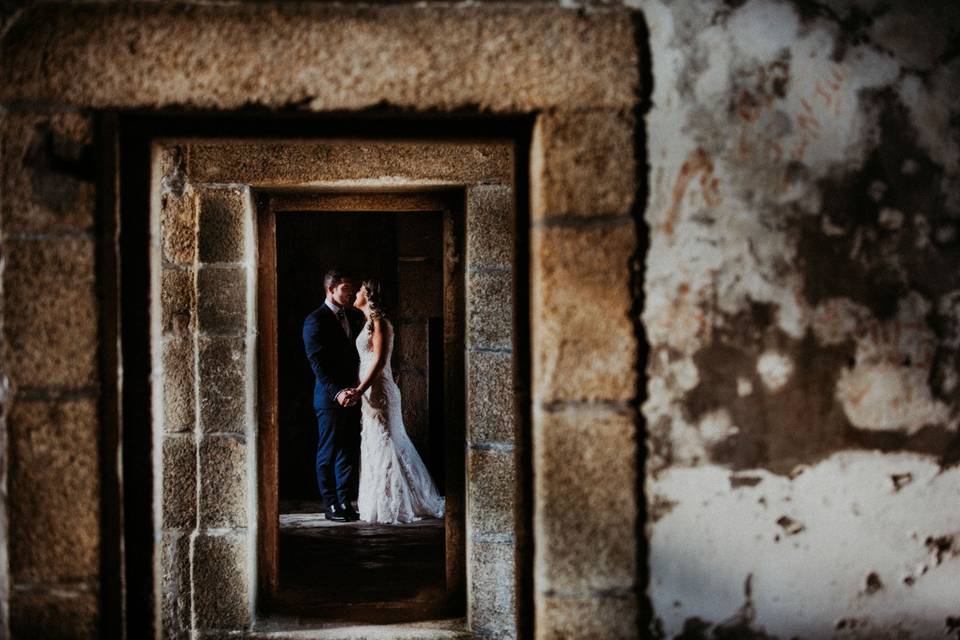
{"type": "Point", "coordinates": [333, 306]}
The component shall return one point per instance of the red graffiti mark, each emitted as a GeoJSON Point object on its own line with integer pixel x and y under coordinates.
{"type": "Point", "coordinates": [917, 354]}
{"type": "Point", "coordinates": [743, 145]}
{"type": "Point", "coordinates": [809, 123]}
{"type": "Point", "coordinates": [748, 107]}
{"type": "Point", "coordinates": [799, 149]}
{"type": "Point", "coordinates": [711, 190]}
{"type": "Point", "coordinates": [855, 396]}
{"type": "Point", "coordinates": [820, 91]}
{"type": "Point", "coordinates": [827, 93]}
{"type": "Point", "coordinates": [777, 150]}
{"type": "Point", "coordinates": [697, 162]}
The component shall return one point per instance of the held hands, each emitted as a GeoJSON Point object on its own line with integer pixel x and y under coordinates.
{"type": "Point", "coordinates": [349, 397]}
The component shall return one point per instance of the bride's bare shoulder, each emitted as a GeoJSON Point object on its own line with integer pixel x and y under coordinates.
{"type": "Point", "coordinates": [381, 323]}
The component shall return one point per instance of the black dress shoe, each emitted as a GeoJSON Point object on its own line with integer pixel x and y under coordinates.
{"type": "Point", "coordinates": [334, 514]}
{"type": "Point", "coordinates": [347, 510]}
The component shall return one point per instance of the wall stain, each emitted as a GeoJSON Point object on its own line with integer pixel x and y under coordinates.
{"type": "Point", "coordinates": [658, 507]}
{"type": "Point", "coordinates": [58, 167]}
{"type": "Point", "coordinates": [953, 626]}
{"type": "Point", "coordinates": [853, 22]}
{"type": "Point", "coordinates": [698, 162]}
{"type": "Point", "coordinates": [790, 526]}
{"type": "Point", "coordinates": [873, 583]}
{"type": "Point", "coordinates": [942, 547]}
{"type": "Point", "coordinates": [900, 480]}
{"type": "Point", "coordinates": [880, 264]}
{"type": "Point", "coordinates": [883, 251]}
{"type": "Point", "coordinates": [739, 626]}
{"type": "Point", "coordinates": [800, 423]}
{"type": "Point", "coordinates": [737, 481]}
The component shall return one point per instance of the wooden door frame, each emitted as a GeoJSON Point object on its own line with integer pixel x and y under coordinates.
{"type": "Point", "coordinates": [450, 204]}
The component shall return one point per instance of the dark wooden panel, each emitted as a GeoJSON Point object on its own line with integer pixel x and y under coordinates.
{"type": "Point", "coordinates": [267, 394]}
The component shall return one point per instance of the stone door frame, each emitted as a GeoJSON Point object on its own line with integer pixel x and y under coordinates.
{"type": "Point", "coordinates": [205, 264]}
{"type": "Point", "coordinates": [575, 73]}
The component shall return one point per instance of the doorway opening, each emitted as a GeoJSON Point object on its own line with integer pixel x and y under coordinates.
{"type": "Point", "coordinates": [410, 243]}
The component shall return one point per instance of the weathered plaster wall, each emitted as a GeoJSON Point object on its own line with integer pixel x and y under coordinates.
{"type": "Point", "coordinates": [803, 311]}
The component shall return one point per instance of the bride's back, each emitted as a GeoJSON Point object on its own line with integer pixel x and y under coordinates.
{"type": "Point", "coordinates": [365, 346]}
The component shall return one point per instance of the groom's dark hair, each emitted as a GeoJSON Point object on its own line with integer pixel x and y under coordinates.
{"type": "Point", "coordinates": [333, 278]}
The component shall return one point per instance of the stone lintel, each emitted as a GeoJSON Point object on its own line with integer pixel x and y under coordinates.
{"type": "Point", "coordinates": [502, 59]}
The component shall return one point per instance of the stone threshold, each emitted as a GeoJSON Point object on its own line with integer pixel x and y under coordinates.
{"type": "Point", "coordinates": [294, 629]}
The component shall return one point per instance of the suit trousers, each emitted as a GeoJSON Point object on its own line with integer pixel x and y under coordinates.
{"type": "Point", "coordinates": [338, 447]}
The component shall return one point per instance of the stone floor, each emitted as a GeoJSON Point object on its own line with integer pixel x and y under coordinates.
{"type": "Point", "coordinates": [359, 571]}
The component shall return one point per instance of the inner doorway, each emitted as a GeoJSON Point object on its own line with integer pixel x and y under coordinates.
{"type": "Point", "coordinates": [360, 571]}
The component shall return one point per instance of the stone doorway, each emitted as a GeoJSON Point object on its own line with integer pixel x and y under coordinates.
{"type": "Point", "coordinates": [569, 78]}
{"type": "Point", "coordinates": [213, 268]}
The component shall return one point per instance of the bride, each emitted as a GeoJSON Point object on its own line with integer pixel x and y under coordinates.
{"type": "Point", "coordinates": [395, 485]}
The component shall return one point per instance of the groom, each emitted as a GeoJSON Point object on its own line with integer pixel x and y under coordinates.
{"type": "Point", "coordinates": [329, 333]}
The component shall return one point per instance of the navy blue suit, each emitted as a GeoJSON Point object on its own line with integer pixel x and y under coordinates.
{"type": "Point", "coordinates": [335, 363]}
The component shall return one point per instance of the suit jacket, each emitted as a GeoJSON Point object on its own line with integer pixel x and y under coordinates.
{"type": "Point", "coordinates": [333, 357]}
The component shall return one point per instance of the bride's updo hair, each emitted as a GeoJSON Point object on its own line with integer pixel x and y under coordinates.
{"type": "Point", "coordinates": [375, 300]}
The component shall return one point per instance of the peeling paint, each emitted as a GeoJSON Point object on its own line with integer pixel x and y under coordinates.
{"type": "Point", "coordinates": [853, 525]}
{"type": "Point", "coordinates": [774, 369]}
{"type": "Point", "coordinates": [802, 302]}
{"type": "Point", "coordinates": [888, 389]}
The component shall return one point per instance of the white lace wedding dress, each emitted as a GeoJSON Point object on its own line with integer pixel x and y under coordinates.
{"type": "Point", "coordinates": [395, 485]}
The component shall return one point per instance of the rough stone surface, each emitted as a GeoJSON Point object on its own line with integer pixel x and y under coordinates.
{"type": "Point", "coordinates": [175, 585]}
{"type": "Point", "coordinates": [222, 299]}
{"type": "Point", "coordinates": [223, 492]}
{"type": "Point", "coordinates": [277, 164]}
{"type": "Point", "coordinates": [48, 178]}
{"type": "Point", "coordinates": [492, 491]}
{"type": "Point", "coordinates": [54, 491]}
{"type": "Point", "coordinates": [585, 459]}
{"type": "Point", "coordinates": [222, 384]}
{"type": "Point", "coordinates": [51, 338]}
{"type": "Point", "coordinates": [55, 613]}
{"type": "Point", "coordinates": [411, 344]}
{"type": "Point", "coordinates": [599, 617]}
{"type": "Point", "coordinates": [583, 337]}
{"type": "Point", "coordinates": [490, 226]}
{"type": "Point", "coordinates": [502, 59]}
{"type": "Point", "coordinates": [178, 225]}
{"type": "Point", "coordinates": [179, 392]}
{"type": "Point", "coordinates": [178, 301]}
{"type": "Point", "coordinates": [420, 286]}
{"type": "Point", "coordinates": [489, 310]}
{"type": "Point", "coordinates": [221, 224]}
{"type": "Point", "coordinates": [512, 60]}
{"type": "Point", "coordinates": [583, 164]}
{"type": "Point", "coordinates": [492, 600]}
{"type": "Point", "coordinates": [220, 581]}
{"type": "Point", "coordinates": [491, 414]}
{"type": "Point", "coordinates": [179, 482]}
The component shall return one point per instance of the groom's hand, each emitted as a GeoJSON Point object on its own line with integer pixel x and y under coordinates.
{"type": "Point", "coordinates": [348, 397]}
